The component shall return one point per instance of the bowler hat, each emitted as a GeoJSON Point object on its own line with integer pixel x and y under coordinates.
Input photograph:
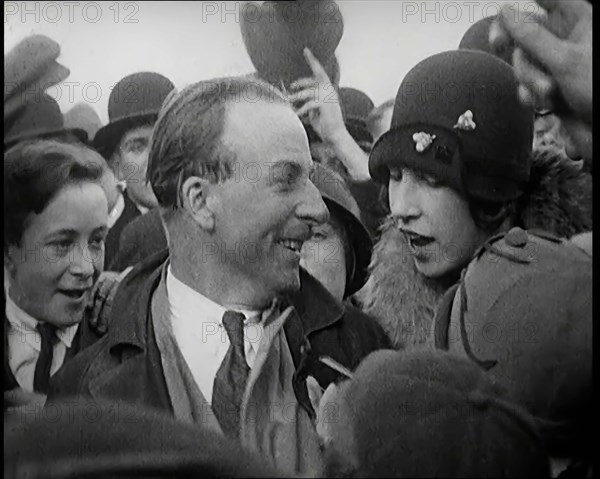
{"type": "Point", "coordinates": [29, 69]}
{"type": "Point", "coordinates": [432, 414]}
{"type": "Point", "coordinates": [356, 106]}
{"type": "Point", "coordinates": [526, 299]}
{"type": "Point", "coordinates": [40, 119]}
{"type": "Point", "coordinates": [276, 33]}
{"type": "Point", "coordinates": [134, 101]}
{"type": "Point", "coordinates": [477, 38]}
{"type": "Point", "coordinates": [340, 202]}
{"type": "Point", "coordinates": [85, 117]}
{"type": "Point", "coordinates": [457, 117]}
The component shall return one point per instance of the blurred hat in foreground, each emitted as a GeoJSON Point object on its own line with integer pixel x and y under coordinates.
{"type": "Point", "coordinates": [102, 439]}
{"type": "Point", "coordinates": [429, 414]}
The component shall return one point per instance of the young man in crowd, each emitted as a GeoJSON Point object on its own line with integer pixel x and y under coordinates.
{"type": "Point", "coordinates": [225, 329]}
{"type": "Point", "coordinates": [133, 107]}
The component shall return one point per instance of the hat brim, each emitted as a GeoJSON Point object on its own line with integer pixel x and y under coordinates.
{"type": "Point", "coordinates": [397, 148]}
{"type": "Point", "coordinates": [361, 242]}
{"type": "Point", "coordinates": [47, 134]}
{"type": "Point", "coordinates": [107, 138]}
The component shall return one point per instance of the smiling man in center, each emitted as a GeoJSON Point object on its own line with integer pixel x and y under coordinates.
{"type": "Point", "coordinates": [225, 328]}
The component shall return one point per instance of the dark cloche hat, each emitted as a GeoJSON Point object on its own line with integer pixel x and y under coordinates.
{"type": "Point", "coordinates": [339, 200]}
{"type": "Point", "coordinates": [40, 119]}
{"type": "Point", "coordinates": [276, 33]}
{"type": "Point", "coordinates": [135, 100]}
{"type": "Point", "coordinates": [457, 116]}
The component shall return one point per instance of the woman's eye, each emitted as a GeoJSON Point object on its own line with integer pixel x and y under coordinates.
{"type": "Point", "coordinates": [97, 243]}
{"type": "Point", "coordinates": [319, 235]}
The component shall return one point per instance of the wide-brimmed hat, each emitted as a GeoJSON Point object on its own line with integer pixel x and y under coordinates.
{"type": "Point", "coordinates": [135, 100]}
{"type": "Point", "coordinates": [83, 116]}
{"type": "Point", "coordinates": [276, 33]}
{"type": "Point", "coordinates": [457, 116]}
{"type": "Point", "coordinates": [339, 200]}
{"type": "Point", "coordinates": [40, 119]}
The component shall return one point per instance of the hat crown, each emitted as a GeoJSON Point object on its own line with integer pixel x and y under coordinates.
{"type": "Point", "coordinates": [37, 118]}
{"type": "Point", "coordinates": [138, 94]}
{"type": "Point", "coordinates": [275, 34]}
{"type": "Point", "coordinates": [355, 103]}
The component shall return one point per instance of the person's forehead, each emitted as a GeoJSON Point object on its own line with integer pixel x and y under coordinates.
{"type": "Point", "coordinates": [266, 128]}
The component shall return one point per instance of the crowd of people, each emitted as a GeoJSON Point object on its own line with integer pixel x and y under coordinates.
{"type": "Point", "coordinates": [268, 275]}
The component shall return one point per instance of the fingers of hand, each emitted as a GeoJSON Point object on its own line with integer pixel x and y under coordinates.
{"type": "Point", "coordinates": [535, 39]}
{"type": "Point", "coordinates": [538, 83]}
{"type": "Point", "coordinates": [307, 107]}
{"type": "Point", "coordinates": [316, 67]}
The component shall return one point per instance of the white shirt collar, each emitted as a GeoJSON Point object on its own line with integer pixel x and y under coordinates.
{"type": "Point", "coordinates": [116, 212]}
{"type": "Point", "coordinates": [22, 321]}
{"type": "Point", "coordinates": [183, 299]}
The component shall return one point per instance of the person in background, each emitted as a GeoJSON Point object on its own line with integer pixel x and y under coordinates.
{"type": "Point", "coordinates": [133, 107]}
{"type": "Point", "coordinates": [380, 118]}
{"type": "Point", "coordinates": [339, 251]}
{"type": "Point", "coordinates": [225, 326]}
{"type": "Point", "coordinates": [425, 414]}
{"type": "Point", "coordinates": [55, 224]}
{"type": "Point", "coordinates": [83, 116]}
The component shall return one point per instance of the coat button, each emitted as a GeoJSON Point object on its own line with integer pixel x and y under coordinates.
{"type": "Point", "coordinates": [516, 237]}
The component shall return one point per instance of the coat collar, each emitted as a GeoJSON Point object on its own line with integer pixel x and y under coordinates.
{"type": "Point", "coordinates": [316, 308]}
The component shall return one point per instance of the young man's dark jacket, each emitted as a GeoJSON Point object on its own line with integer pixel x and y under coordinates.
{"type": "Point", "coordinates": [126, 363]}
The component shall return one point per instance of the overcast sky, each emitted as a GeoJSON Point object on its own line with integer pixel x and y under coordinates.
{"type": "Point", "coordinates": [101, 42]}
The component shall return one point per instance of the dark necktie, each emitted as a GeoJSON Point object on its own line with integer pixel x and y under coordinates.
{"type": "Point", "coordinates": [231, 378]}
{"type": "Point", "coordinates": [41, 376]}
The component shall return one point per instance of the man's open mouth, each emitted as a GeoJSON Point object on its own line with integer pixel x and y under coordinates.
{"type": "Point", "coordinates": [75, 294]}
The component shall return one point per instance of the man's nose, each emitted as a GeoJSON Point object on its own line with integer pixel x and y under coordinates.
{"type": "Point", "coordinates": [313, 209]}
{"type": "Point", "coordinates": [403, 198]}
{"type": "Point", "coordinates": [83, 261]}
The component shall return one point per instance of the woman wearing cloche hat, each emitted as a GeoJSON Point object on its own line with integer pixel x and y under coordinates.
{"type": "Point", "coordinates": [477, 215]}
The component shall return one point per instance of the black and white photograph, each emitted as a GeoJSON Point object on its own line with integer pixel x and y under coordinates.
{"type": "Point", "coordinates": [303, 238]}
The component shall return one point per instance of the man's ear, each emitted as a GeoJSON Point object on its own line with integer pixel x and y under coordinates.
{"type": "Point", "coordinates": [194, 193]}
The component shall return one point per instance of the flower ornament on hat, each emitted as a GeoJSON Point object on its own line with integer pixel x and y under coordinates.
{"type": "Point", "coordinates": [465, 121]}
{"type": "Point", "coordinates": [422, 141]}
